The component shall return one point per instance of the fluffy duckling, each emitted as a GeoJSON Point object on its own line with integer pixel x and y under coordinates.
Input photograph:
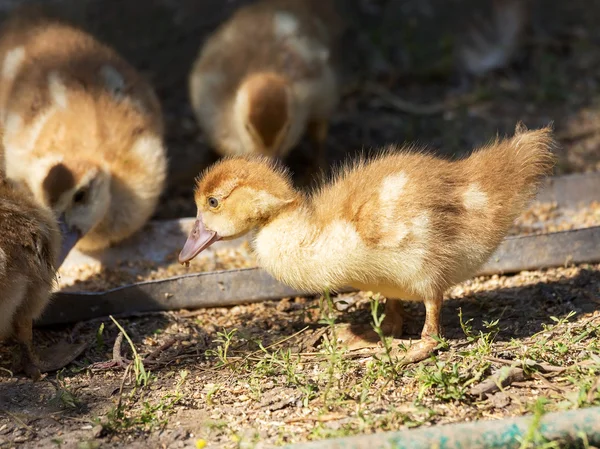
{"type": "Point", "coordinates": [29, 252]}
{"type": "Point", "coordinates": [266, 76]}
{"type": "Point", "coordinates": [82, 130]}
{"type": "Point", "coordinates": [408, 225]}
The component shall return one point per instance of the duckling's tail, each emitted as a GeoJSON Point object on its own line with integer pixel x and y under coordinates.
{"type": "Point", "coordinates": [512, 169]}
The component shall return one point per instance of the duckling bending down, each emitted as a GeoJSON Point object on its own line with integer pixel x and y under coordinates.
{"type": "Point", "coordinates": [407, 225]}
{"type": "Point", "coordinates": [267, 75]}
{"type": "Point", "coordinates": [29, 252]}
{"type": "Point", "coordinates": [82, 130]}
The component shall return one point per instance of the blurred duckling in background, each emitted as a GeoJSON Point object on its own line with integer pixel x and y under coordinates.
{"type": "Point", "coordinates": [492, 40]}
{"type": "Point", "coordinates": [266, 76]}
{"type": "Point", "coordinates": [82, 130]}
{"type": "Point", "coordinates": [29, 251]}
{"type": "Point", "coordinates": [408, 225]}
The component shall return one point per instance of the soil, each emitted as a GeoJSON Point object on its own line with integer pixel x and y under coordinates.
{"type": "Point", "coordinates": [275, 372]}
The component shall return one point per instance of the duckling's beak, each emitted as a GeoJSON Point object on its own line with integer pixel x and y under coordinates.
{"type": "Point", "coordinates": [70, 237]}
{"type": "Point", "coordinates": [199, 239]}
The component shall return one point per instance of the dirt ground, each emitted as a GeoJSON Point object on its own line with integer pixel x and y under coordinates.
{"type": "Point", "coordinates": [275, 373]}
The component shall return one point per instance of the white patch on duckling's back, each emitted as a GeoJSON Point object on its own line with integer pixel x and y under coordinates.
{"type": "Point", "coordinates": [13, 123]}
{"type": "Point", "coordinates": [420, 226]}
{"type": "Point", "coordinates": [401, 232]}
{"type": "Point", "coordinates": [390, 191]}
{"type": "Point", "coordinates": [57, 89]}
{"type": "Point", "coordinates": [21, 139]}
{"type": "Point", "coordinates": [474, 198]}
{"type": "Point", "coordinates": [149, 151]}
{"type": "Point", "coordinates": [149, 148]}
{"type": "Point", "coordinates": [284, 24]}
{"type": "Point", "coordinates": [391, 188]}
{"type": "Point", "coordinates": [12, 62]}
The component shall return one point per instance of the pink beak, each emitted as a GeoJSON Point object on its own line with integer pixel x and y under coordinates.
{"type": "Point", "coordinates": [199, 239]}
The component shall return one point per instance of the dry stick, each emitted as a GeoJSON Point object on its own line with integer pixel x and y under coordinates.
{"type": "Point", "coordinates": [572, 136]}
{"type": "Point", "coordinates": [160, 349]}
{"type": "Point", "coordinates": [497, 381]}
{"type": "Point", "coordinates": [277, 343]}
{"type": "Point", "coordinates": [323, 418]}
{"type": "Point", "coordinates": [514, 375]}
{"type": "Point", "coordinates": [125, 374]}
{"type": "Point", "coordinates": [594, 388]}
{"type": "Point", "coordinates": [117, 358]}
{"type": "Point", "coordinates": [548, 384]}
{"type": "Point", "coordinates": [19, 421]}
{"type": "Point", "coordinates": [417, 109]}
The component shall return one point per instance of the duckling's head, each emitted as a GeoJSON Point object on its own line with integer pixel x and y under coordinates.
{"type": "Point", "coordinates": [79, 194]}
{"type": "Point", "coordinates": [235, 196]}
{"type": "Point", "coordinates": [265, 115]}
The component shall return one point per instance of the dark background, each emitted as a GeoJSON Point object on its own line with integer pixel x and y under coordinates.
{"type": "Point", "coordinates": [405, 48]}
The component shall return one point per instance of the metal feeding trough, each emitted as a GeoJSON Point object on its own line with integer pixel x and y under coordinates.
{"type": "Point", "coordinates": [160, 239]}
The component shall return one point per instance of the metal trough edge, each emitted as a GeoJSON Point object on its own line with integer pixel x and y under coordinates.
{"type": "Point", "coordinates": [225, 288]}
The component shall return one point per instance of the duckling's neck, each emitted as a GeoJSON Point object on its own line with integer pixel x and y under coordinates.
{"type": "Point", "coordinates": [305, 252]}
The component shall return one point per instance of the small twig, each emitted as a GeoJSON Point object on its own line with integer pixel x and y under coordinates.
{"type": "Point", "coordinates": [521, 384]}
{"type": "Point", "coordinates": [572, 136]}
{"type": "Point", "coordinates": [323, 418]}
{"type": "Point", "coordinates": [160, 349]}
{"type": "Point", "coordinates": [125, 374]}
{"type": "Point", "coordinates": [417, 109]}
{"type": "Point", "coordinates": [549, 385]}
{"type": "Point", "coordinates": [497, 381]}
{"type": "Point", "coordinates": [117, 358]}
{"type": "Point", "coordinates": [19, 421]}
{"type": "Point", "coordinates": [277, 343]}
{"type": "Point", "coordinates": [593, 389]}
{"type": "Point", "coordinates": [9, 372]}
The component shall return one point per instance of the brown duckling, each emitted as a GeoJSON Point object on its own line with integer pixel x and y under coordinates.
{"type": "Point", "coordinates": [29, 252]}
{"type": "Point", "coordinates": [405, 224]}
{"type": "Point", "coordinates": [266, 76]}
{"type": "Point", "coordinates": [82, 130]}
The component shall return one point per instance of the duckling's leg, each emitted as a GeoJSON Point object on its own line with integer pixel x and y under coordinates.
{"type": "Point", "coordinates": [318, 130]}
{"type": "Point", "coordinates": [23, 334]}
{"type": "Point", "coordinates": [425, 347]}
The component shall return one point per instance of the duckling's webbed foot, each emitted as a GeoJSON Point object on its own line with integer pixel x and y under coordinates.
{"type": "Point", "coordinates": [418, 351]}
{"type": "Point", "coordinates": [426, 346]}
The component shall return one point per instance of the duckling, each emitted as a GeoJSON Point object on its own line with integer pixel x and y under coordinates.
{"type": "Point", "coordinates": [83, 132]}
{"type": "Point", "coordinates": [266, 76]}
{"type": "Point", "coordinates": [491, 44]}
{"type": "Point", "coordinates": [405, 224]}
{"type": "Point", "coordinates": [29, 251]}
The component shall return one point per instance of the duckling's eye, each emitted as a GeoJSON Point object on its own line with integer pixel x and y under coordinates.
{"type": "Point", "coordinates": [213, 202]}
{"type": "Point", "coordinates": [80, 195]}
